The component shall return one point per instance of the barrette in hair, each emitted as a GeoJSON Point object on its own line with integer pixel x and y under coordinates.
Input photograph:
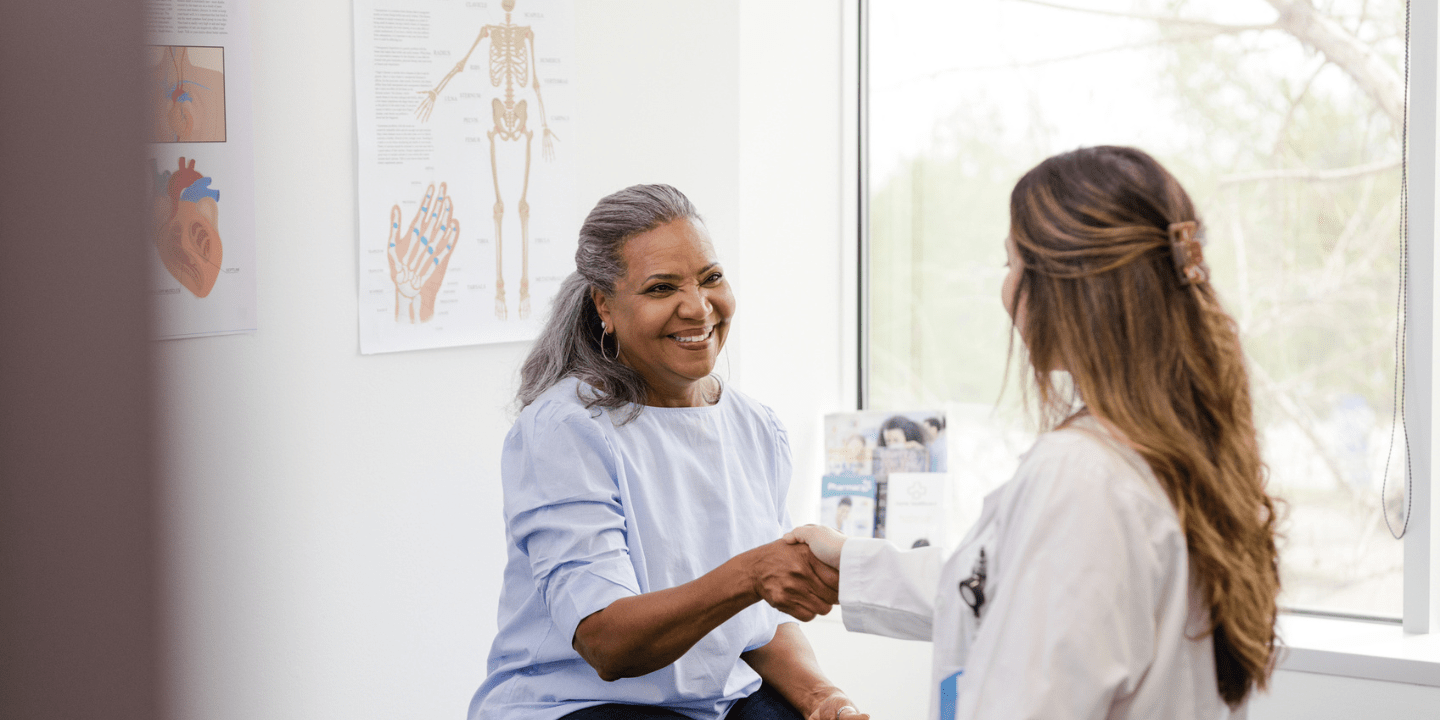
{"type": "Point", "coordinates": [1187, 249]}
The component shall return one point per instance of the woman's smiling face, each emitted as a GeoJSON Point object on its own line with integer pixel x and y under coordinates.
{"type": "Point", "coordinates": [671, 311]}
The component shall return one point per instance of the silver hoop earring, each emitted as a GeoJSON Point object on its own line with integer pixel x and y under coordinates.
{"type": "Point", "coordinates": [604, 335]}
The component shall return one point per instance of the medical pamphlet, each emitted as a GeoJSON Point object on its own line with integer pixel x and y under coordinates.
{"type": "Point", "coordinates": [918, 507]}
{"type": "Point", "coordinates": [847, 503]}
{"type": "Point", "coordinates": [878, 444]}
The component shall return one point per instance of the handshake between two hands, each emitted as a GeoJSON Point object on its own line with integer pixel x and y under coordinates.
{"type": "Point", "coordinates": [798, 574]}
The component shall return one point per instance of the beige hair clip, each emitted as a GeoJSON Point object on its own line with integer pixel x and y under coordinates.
{"type": "Point", "coordinates": [1187, 249]}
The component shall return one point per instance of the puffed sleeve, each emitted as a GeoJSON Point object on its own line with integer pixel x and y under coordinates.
{"type": "Point", "coordinates": [563, 511]}
{"type": "Point", "coordinates": [1073, 628]}
{"type": "Point", "coordinates": [783, 469]}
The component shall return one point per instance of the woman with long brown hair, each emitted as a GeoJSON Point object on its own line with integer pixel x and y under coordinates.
{"type": "Point", "coordinates": [1129, 569]}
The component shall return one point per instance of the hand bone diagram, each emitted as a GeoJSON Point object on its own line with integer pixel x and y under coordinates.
{"type": "Point", "coordinates": [419, 254]}
{"type": "Point", "coordinates": [185, 220]}
{"type": "Point", "coordinates": [792, 580]}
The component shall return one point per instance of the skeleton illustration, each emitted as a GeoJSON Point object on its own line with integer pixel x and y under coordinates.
{"type": "Point", "coordinates": [509, 44]}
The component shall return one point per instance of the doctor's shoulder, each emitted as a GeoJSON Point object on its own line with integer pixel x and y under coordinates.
{"type": "Point", "coordinates": [1080, 468]}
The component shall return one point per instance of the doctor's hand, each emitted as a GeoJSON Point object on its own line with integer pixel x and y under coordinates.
{"type": "Point", "coordinates": [792, 580]}
{"type": "Point", "coordinates": [823, 541]}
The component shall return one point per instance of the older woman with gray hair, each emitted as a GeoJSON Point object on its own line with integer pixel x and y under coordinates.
{"type": "Point", "coordinates": [644, 500]}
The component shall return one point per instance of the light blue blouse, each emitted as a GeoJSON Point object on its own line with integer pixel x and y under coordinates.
{"type": "Point", "coordinates": [595, 512]}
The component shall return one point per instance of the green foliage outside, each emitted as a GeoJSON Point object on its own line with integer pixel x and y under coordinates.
{"type": "Point", "coordinates": [1292, 155]}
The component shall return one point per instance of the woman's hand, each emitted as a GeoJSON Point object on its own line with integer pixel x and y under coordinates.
{"type": "Point", "coordinates": [836, 707]}
{"type": "Point", "coordinates": [824, 542]}
{"type": "Point", "coordinates": [788, 664]}
{"type": "Point", "coordinates": [792, 580]}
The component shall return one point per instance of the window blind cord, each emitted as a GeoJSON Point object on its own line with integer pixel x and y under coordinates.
{"type": "Point", "coordinates": [1398, 399]}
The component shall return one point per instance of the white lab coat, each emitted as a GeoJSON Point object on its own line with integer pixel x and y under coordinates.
{"type": "Point", "coordinates": [1089, 609]}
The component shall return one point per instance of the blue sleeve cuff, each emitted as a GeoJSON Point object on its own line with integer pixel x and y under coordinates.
{"type": "Point", "coordinates": [586, 590]}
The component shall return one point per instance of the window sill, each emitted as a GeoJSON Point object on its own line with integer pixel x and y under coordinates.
{"type": "Point", "coordinates": [1328, 646]}
{"type": "Point", "coordinates": [1359, 649]}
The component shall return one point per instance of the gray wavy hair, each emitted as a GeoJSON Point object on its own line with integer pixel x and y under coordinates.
{"type": "Point", "coordinates": [573, 344]}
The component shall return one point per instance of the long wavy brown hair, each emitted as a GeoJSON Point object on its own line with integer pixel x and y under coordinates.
{"type": "Point", "coordinates": [1154, 355]}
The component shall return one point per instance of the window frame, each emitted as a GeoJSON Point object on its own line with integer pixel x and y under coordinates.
{"type": "Point", "coordinates": [1421, 608]}
{"type": "Point", "coordinates": [1335, 644]}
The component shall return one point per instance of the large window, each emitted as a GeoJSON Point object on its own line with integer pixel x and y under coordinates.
{"type": "Point", "coordinates": [1286, 129]}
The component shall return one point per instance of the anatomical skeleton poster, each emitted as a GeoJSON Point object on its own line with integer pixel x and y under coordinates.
{"type": "Point", "coordinates": [466, 183]}
{"type": "Point", "coordinates": [201, 178]}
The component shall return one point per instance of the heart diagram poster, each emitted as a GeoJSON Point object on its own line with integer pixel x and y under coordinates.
{"type": "Point", "coordinates": [200, 178]}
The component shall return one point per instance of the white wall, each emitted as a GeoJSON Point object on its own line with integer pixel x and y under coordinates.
{"type": "Point", "coordinates": [335, 522]}
{"type": "Point", "coordinates": [788, 281]}
{"type": "Point", "coordinates": [335, 528]}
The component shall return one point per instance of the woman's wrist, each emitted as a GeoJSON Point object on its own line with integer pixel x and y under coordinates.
{"type": "Point", "coordinates": [738, 577]}
{"type": "Point", "coordinates": [817, 697]}
{"type": "Point", "coordinates": [833, 705]}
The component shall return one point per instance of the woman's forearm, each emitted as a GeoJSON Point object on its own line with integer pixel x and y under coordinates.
{"type": "Point", "coordinates": [638, 635]}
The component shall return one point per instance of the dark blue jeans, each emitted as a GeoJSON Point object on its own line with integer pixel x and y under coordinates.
{"type": "Point", "coordinates": [764, 704]}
